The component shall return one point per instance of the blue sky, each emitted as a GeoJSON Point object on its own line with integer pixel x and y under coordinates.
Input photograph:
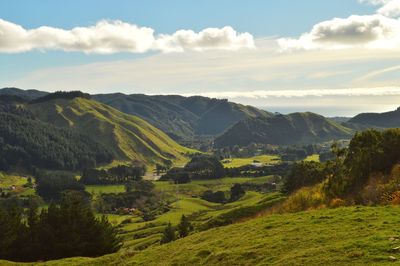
{"type": "Point", "coordinates": [273, 57]}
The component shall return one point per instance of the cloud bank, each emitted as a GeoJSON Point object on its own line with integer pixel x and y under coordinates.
{"type": "Point", "coordinates": [107, 37]}
{"type": "Point", "coordinates": [388, 8]}
{"type": "Point", "coordinates": [263, 94]}
{"type": "Point", "coordinates": [372, 31]}
{"type": "Point", "coordinates": [380, 30]}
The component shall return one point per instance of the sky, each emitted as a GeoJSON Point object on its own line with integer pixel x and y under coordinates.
{"type": "Point", "coordinates": [333, 57]}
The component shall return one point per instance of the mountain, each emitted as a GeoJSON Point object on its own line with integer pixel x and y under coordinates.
{"type": "Point", "coordinates": [162, 112]}
{"type": "Point", "coordinates": [340, 119]}
{"type": "Point", "coordinates": [25, 94]}
{"type": "Point", "coordinates": [127, 136]}
{"type": "Point", "coordinates": [182, 117]}
{"type": "Point", "coordinates": [296, 128]}
{"type": "Point", "coordinates": [377, 120]}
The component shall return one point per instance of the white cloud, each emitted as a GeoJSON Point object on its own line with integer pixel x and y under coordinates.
{"type": "Point", "coordinates": [260, 94]}
{"type": "Point", "coordinates": [116, 36]}
{"type": "Point", "coordinates": [389, 8]}
{"type": "Point", "coordinates": [372, 31]}
{"type": "Point", "coordinates": [208, 39]}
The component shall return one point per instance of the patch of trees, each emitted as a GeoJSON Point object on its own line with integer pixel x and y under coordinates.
{"type": "Point", "coordinates": [116, 175]}
{"type": "Point", "coordinates": [235, 194]}
{"type": "Point", "coordinates": [216, 197]}
{"type": "Point", "coordinates": [254, 171]}
{"type": "Point", "coordinates": [304, 174]}
{"type": "Point", "coordinates": [205, 167]}
{"type": "Point", "coordinates": [287, 153]}
{"type": "Point", "coordinates": [178, 175]}
{"type": "Point", "coordinates": [267, 187]}
{"type": "Point", "coordinates": [27, 143]}
{"type": "Point", "coordinates": [139, 197]}
{"type": "Point", "coordinates": [69, 229]}
{"type": "Point", "coordinates": [199, 167]}
{"type": "Point", "coordinates": [51, 186]}
{"type": "Point", "coordinates": [359, 173]}
{"type": "Point", "coordinates": [184, 228]}
{"type": "Point", "coordinates": [369, 152]}
{"type": "Point", "coordinates": [62, 95]}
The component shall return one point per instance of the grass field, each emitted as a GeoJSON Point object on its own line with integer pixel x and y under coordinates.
{"type": "Point", "coordinates": [312, 158]}
{"type": "Point", "coordinates": [98, 189]}
{"type": "Point", "coordinates": [9, 180]}
{"type": "Point", "coordinates": [343, 236]}
{"type": "Point", "coordinates": [197, 187]}
{"type": "Point", "coordinates": [264, 159]}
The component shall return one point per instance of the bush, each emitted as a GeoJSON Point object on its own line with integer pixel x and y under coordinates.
{"type": "Point", "coordinates": [304, 174]}
{"type": "Point", "coordinates": [168, 235]}
{"type": "Point", "coordinates": [217, 197]}
{"type": "Point", "coordinates": [336, 203]}
{"type": "Point", "coordinates": [304, 199]}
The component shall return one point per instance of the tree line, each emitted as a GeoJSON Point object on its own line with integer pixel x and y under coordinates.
{"type": "Point", "coordinates": [116, 175]}
{"type": "Point", "coordinates": [347, 176]}
{"type": "Point", "coordinates": [67, 229]}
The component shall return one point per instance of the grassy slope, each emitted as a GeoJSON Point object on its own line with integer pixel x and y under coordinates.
{"type": "Point", "coordinates": [128, 136]}
{"type": "Point", "coordinates": [237, 162]}
{"type": "Point", "coordinates": [384, 120]}
{"type": "Point", "coordinates": [344, 236]}
{"type": "Point", "coordinates": [296, 128]}
{"type": "Point", "coordinates": [312, 158]}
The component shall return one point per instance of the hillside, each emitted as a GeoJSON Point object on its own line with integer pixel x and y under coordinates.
{"type": "Point", "coordinates": [179, 117]}
{"type": "Point", "coordinates": [296, 128]}
{"type": "Point", "coordinates": [127, 136]}
{"type": "Point", "coordinates": [26, 142]}
{"type": "Point", "coordinates": [25, 94]}
{"type": "Point", "coordinates": [343, 236]}
{"type": "Point", "coordinates": [378, 120]}
{"type": "Point", "coordinates": [182, 117]}
{"type": "Point", "coordinates": [166, 115]}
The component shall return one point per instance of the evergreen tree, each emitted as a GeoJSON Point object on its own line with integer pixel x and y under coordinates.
{"type": "Point", "coordinates": [237, 192]}
{"type": "Point", "coordinates": [168, 235]}
{"type": "Point", "coordinates": [184, 227]}
{"type": "Point", "coordinates": [69, 229]}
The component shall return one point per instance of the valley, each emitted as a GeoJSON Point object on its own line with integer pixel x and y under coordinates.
{"type": "Point", "coordinates": [266, 189]}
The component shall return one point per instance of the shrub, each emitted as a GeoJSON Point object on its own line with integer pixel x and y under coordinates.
{"type": "Point", "coordinates": [304, 199]}
{"type": "Point", "coordinates": [336, 203]}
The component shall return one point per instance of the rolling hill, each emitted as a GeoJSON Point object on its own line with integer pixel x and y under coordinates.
{"type": "Point", "coordinates": [25, 94]}
{"type": "Point", "coordinates": [183, 117]}
{"type": "Point", "coordinates": [128, 137]}
{"type": "Point", "coordinates": [377, 120]}
{"type": "Point", "coordinates": [296, 128]}
{"type": "Point", "coordinates": [180, 117]}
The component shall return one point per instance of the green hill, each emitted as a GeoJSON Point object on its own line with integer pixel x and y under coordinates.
{"type": "Point", "coordinates": [377, 120]}
{"type": "Point", "coordinates": [343, 236]}
{"type": "Point", "coordinates": [26, 94]}
{"type": "Point", "coordinates": [296, 128]}
{"type": "Point", "coordinates": [162, 112]}
{"type": "Point", "coordinates": [180, 117]}
{"type": "Point", "coordinates": [26, 142]}
{"type": "Point", "coordinates": [127, 136]}
{"type": "Point", "coordinates": [183, 117]}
